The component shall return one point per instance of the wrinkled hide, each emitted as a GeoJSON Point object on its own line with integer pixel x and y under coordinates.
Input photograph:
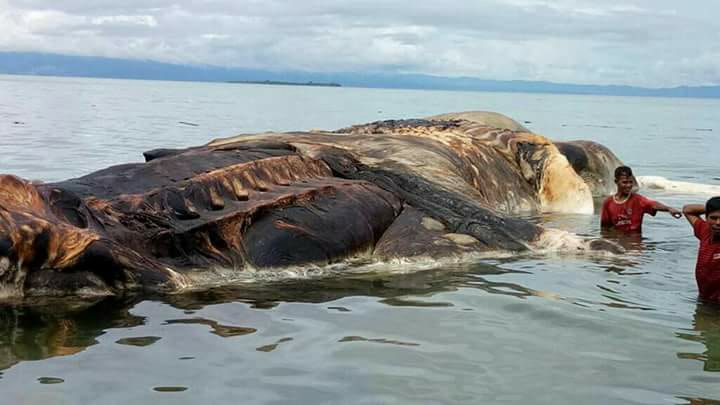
{"type": "Point", "coordinates": [392, 189]}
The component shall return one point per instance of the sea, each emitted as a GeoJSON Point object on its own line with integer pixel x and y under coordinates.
{"type": "Point", "coordinates": [542, 328]}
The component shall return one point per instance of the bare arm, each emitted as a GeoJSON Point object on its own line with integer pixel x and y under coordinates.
{"type": "Point", "coordinates": [662, 207]}
{"type": "Point", "coordinates": [693, 211]}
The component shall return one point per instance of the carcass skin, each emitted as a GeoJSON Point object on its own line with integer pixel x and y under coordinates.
{"type": "Point", "coordinates": [394, 189]}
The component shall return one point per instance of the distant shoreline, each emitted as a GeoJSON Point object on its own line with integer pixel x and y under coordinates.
{"type": "Point", "coordinates": [280, 83]}
{"type": "Point", "coordinates": [527, 91]}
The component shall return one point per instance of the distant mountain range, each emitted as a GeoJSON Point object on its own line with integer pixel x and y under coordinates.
{"type": "Point", "coordinates": [30, 63]}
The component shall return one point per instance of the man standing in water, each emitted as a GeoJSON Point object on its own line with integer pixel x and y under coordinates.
{"type": "Point", "coordinates": [624, 210]}
{"type": "Point", "coordinates": [707, 269]}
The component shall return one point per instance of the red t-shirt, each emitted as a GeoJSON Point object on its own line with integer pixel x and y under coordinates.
{"type": "Point", "coordinates": [707, 269]}
{"type": "Point", "coordinates": [628, 216]}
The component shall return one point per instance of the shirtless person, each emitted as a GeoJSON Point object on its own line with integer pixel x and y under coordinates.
{"type": "Point", "coordinates": [624, 210]}
{"type": "Point", "coordinates": [707, 269]}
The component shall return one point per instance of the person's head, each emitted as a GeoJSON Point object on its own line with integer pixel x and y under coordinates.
{"type": "Point", "coordinates": [712, 214]}
{"type": "Point", "coordinates": [624, 180]}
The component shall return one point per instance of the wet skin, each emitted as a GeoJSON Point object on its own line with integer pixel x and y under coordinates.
{"type": "Point", "coordinates": [278, 200]}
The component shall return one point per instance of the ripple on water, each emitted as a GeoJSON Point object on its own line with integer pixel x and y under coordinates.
{"type": "Point", "coordinates": [706, 379]}
{"type": "Point", "coordinates": [386, 341]}
{"type": "Point", "coordinates": [404, 302]}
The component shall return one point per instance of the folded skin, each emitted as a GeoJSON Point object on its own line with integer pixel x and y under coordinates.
{"type": "Point", "coordinates": [277, 200]}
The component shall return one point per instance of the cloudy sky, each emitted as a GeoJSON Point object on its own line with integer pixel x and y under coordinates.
{"type": "Point", "coordinates": [656, 43]}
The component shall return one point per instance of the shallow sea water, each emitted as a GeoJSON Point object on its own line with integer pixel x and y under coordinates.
{"type": "Point", "coordinates": [543, 329]}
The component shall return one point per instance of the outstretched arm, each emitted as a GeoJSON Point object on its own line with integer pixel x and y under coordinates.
{"type": "Point", "coordinates": [693, 211]}
{"type": "Point", "coordinates": [673, 211]}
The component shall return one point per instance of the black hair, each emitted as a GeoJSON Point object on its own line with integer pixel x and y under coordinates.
{"type": "Point", "coordinates": [712, 204]}
{"type": "Point", "coordinates": [623, 171]}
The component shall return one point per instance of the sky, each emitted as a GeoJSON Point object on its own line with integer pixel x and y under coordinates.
{"type": "Point", "coordinates": [650, 43]}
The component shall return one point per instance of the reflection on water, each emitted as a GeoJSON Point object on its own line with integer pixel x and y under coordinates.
{"type": "Point", "coordinates": [138, 341]}
{"type": "Point", "coordinates": [377, 340]}
{"type": "Point", "coordinates": [497, 317]}
{"type": "Point", "coordinates": [271, 347]}
{"type": "Point", "coordinates": [632, 242]}
{"type": "Point", "coordinates": [58, 328]}
{"type": "Point", "coordinates": [217, 328]}
{"type": "Point", "coordinates": [50, 380]}
{"type": "Point", "coordinates": [405, 302]}
{"type": "Point", "coordinates": [170, 389]}
{"type": "Point", "coordinates": [340, 309]}
{"type": "Point", "coordinates": [491, 319]}
{"type": "Point", "coordinates": [381, 285]}
{"type": "Point", "coordinates": [46, 329]}
{"type": "Point", "coordinates": [706, 325]}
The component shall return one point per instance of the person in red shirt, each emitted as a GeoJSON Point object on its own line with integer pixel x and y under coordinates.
{"type": "Point", "coordinates": [707, 269]}
{"type": "Point", "coordinates": [624, 210]}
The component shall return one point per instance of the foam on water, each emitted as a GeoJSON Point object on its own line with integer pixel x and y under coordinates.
{"type": "Point", "coordinates": [223, 276]}
{"type": "Point", "coordinates": [558, 241]}
{"type": "Point", "coordinates": [551, 241]}
{"type": "Point", "coordinates": [683, 187]}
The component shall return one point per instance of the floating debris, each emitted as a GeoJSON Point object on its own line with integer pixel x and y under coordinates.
{"type": "Point", "coordinates": [217, 328]}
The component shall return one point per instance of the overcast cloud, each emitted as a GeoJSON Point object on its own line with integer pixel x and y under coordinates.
{"type": "Point", "coordinates": [656, 43]}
